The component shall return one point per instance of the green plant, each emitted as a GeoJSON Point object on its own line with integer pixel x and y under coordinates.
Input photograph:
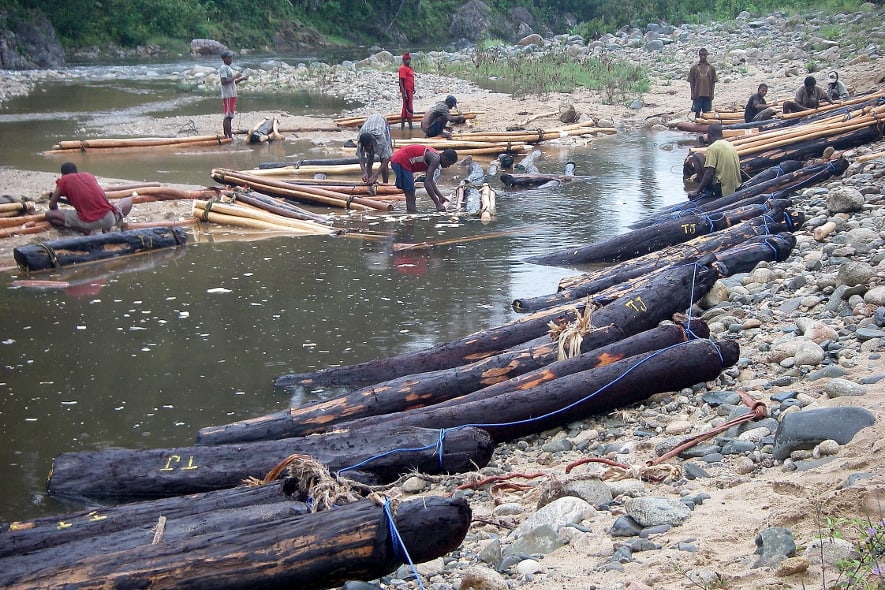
{"type": "Point", "coordinates": [865, 569]}
{"type": "Point", "coordinates": [532, 74]}
{"type": "Point", "coordinates": [811, 66]}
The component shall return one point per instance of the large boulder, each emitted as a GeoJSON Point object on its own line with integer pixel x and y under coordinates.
{"type": "Point", "coordinates": [207, 47]}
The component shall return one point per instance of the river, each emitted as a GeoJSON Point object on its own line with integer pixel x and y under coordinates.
{"type": "Point", "coordinates": [143, 352]}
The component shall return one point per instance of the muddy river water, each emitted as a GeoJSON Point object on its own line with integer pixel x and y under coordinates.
{"type": "Point", "coordinates": [143, 352]}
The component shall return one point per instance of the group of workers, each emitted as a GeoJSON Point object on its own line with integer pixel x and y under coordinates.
{"type": "Point", "coordinates": [718, 169]}
{"type": "Point", "coordinates": [717, 172]}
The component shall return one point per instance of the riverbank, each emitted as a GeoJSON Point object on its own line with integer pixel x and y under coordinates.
{"type": "Point", "coordinates": [810, 332]}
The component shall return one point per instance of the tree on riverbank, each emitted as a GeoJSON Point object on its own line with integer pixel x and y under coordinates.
{"type": "Point", "coordinates": [287, 24]}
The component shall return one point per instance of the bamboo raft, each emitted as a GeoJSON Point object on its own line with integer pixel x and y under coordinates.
{"type": "Point", "coordinates": [339, 196]}
{"type": "Point", "coordinates": [393, 118]}
{"type": "Point", "coordinates": [68, 251]}
{"type": "Point", "coordinates": [135, 143]}
{"type": "Point", "coordinates": [243, 538]}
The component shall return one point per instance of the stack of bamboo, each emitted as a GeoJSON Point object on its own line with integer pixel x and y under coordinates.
{"type": "Point", "coordinates": [532, 136]}
{"type": "Point", "coordinates": [19, 218]}
{"type": "Point", "coordinates": [466, 145]}
{"type": "Point", "coordinates": [394, 118]}
{"type": "Point", "coordinates": [345, 196]}
{"type": "Point", "coordinates": [868, 116]}
{"type": "Point", "coordinates": [135, 143]}
{"type": "Point", "coordinates": [252, 217]}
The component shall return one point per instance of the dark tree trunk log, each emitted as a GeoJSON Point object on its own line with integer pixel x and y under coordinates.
{"type": "Point", "coordinates": [744, 257]}
{"type": "Point", "coordinates": [128, 525]}
{"type": "Point", "coordinates": [776, 188]}
{"type": "Point", "coordinates": [131, 474]}
{"type": "Point", "coordinates": [533, 408]}
{"type": "Point", "coordinates": [578, 287]}
{"type": "Point", "coordinates": [67, 251]}
{"type": "Point", "coordinates": [425, 389]}
{"type": "Point", "coordinates": [643, 309]}
{"type": "Point", "coordinates": [773, 173]}
{"type": "Point", "coordinates": [308, 552]}
{"type": "Point", "coordinates": [656, 237]}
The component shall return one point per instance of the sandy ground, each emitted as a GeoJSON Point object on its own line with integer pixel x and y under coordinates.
{"type": "Point", "coordinates": [724, 527]}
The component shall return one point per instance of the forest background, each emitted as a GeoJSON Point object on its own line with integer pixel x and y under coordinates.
{"type": "Point", "coordinates": [274, 25]}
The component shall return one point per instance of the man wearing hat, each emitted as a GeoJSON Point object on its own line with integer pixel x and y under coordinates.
{"type": "Point", "coordinates": [835, 88]}
{"type": "Point", "coordinates": [435, 120]}
{"type": "Point", "coordinates": [229, 81]}
{"type": "Point", "coordinates": [406, 90]}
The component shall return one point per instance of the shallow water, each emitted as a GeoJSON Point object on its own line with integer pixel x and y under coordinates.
{"type": "Point", "coordinates": [143, 352]}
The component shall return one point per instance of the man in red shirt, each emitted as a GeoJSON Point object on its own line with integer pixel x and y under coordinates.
{"type": "Point", "coordinates": [406, 90]}
{"type": "Point", "coordinates": [92, 211]}
{"type": "Point", "coordinates": [420, 158]}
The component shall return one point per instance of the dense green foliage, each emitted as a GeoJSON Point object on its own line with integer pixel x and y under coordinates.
{"type": "Point", "coordinates": [539, 74]}
{"type": "Point", "coordinates": [252, 23]}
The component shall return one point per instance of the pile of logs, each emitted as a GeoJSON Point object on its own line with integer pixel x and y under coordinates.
{"type": "Point", "coordinates": [802, 135]}
{"type": "Point", "coordinates": [252, 537]}
{"type": "Point", "coordinates": [253, 217]}
{"type": "Point", "coordinates": [343, 195]}
{"type": "Point", "coordinates": [394, 118]}
{"type": "Point", "coordinates": [606, 339]}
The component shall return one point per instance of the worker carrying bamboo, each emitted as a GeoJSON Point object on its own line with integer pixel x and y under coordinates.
{"type": "Point", "coordinates": [420, 158]}
{"type": "Point", "coordinates": [722, 167]}
{"type": "Point", "coordinates": [374, 140]}
{"type": "Point", "coordinates": [434, 121]}
{"type": "Point", "coordinates": [92, 211]}
{"type": "Point", "coordinates": [808, 97]}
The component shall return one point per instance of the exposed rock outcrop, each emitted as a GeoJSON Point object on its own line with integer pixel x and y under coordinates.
{"type": "Point", "coordinates": [28, 43]}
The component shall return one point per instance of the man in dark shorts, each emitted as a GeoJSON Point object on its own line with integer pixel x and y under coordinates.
{"type": "Point", "coordinates": [420, 158]}
{"type": "Point", "coordinates": [435, 119]}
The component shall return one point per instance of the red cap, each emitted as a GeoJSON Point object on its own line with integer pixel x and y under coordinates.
{"type": "Point", "coordinates": [407, 55]}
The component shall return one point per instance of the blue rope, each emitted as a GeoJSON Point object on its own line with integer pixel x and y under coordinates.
{"type": "Point", "coordinates": [399, 547]}
{"type": "Point", "coordinates": [773, 248]}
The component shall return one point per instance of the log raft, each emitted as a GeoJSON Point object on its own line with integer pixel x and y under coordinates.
{"type": "Point", "coordinates": [310, 551]}
{"type": "Point", "coordinates": [134, 474]}
{"type": "Point", "coordinates": [644, 308]}
{"type": "Point", "coordinates": [532, 408]}
{"type": "Point", "coordinates": [601, 346]}
{"type": "Point", "coordinates": [68, 251]}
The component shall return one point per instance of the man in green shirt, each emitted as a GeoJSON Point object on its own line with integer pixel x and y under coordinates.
{"type": "Point", "coordinates": [722, 167]}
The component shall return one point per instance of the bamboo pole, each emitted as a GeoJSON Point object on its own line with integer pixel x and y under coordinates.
{"type": "Point", "coordinates": [38, 227]}
{"type": "Point", "coordinates": [21, 219]}
{"type": "Point", "coordinates": [256, 213]}
{"type": "Point", "coordinates": [869, 157]}
{"type": "Point", "coordinates": [210, 142]}
{"type": "Point", "coordinates": [132, 141]}
{"type": "Point", "coordinates": [222, 219]}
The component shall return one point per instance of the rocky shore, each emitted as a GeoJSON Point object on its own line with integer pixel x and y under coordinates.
{"type": "Point", "coordinates": [748, 508]}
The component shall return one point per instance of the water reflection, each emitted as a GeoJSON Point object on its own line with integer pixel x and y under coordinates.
{"type": "Point", "coordinates": [146, 354]}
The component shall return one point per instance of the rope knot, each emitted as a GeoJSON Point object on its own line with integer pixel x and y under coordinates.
{"type": "Point", "coordinates": [571, 335]}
